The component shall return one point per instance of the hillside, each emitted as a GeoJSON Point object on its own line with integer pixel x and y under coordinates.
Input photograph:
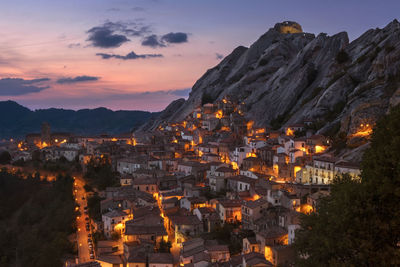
{"type": "Point", "coordinates": [287, 76]}
{"type": "Point", "coordinates": [17, 121]}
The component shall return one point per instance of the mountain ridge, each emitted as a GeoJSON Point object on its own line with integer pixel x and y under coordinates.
{"type": "Point", "coordinates": [16, 120]}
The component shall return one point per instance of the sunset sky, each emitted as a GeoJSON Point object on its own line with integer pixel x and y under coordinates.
{"type": "Point", "coordinates": [141, 55]}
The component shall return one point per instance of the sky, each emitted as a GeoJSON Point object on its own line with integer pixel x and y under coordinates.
{"type": "Point", "coordinates": [143, 54]}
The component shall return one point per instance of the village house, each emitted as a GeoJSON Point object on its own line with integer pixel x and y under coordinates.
{"type": "Point", "coordinates": [240, 183]}
{"type": "Point", "coordinates": [217, 180]}
{"type": "Point", "coordinates": [250, 244]}
{"type": "Point", "coordinates": [130, 165]}
{"type": "Point", "coordinates": [255, 259]}
{"type": "Point", "coordinates": [113, 221]}
{"type": "Point", "coordinates": [230, 210]}
{"type": "Point", "coordinates": [252, 211]}
{"type": "Point", "coordinates": [280, 255]}
{"type": "Point", "coordinates": [151, 233]}
{"type": "Point", "coordinates": [208, 216]}
{"type": "Point", "coordinates": [148, 185]}
{"type": "Point", "coordinates": [184, 226]}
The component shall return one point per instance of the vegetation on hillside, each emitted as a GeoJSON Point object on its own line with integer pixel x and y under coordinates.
{"type": "Point", "coordinates": [36, 220]}
{"type": "Point", "coordinates": [359, 223]}
{"type": "Point", "coordinates": [99, 174]}
{"type": "Point", "coordinates": [83, 122]}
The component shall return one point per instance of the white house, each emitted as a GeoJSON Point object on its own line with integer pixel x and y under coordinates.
{"type": "Point", "coordinates": [113, 221]}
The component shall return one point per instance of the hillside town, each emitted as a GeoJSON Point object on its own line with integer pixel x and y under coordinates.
{"type": "Point", "coordinates": [211, 190]}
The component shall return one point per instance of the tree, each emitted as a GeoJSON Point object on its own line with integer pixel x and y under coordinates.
{"type": "Point", "coordinates": [206, 98]}
{"type": "Point", "coordinates": [5, 157]}
{"type": "Point", "coordinates": [342, 57]}
{"type": "Point", "coordinates": [359, 223]}
{"type": "Point", "coordinates": [164, 246]}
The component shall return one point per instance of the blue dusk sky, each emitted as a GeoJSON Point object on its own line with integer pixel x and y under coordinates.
{"type": "Point", "coordinates": [142, 54]}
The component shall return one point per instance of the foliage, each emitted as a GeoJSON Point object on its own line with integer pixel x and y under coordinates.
{"type": "Point", "coordinates": [5, 157]}
{"type": "Point", "coordinates": [298, 134]}
{"type": "Point", "coordinates": [342, 57]}
{"type": "Point", "coordinates": [93, 203]}
{"type": "Point", "coordinates": [164, 247]}
{"type": "Point", "coordinates": [115, 236]}
{"type": "Point", "coordinates": [99, 174]}
{"type": "Point", "coordinates": [225, 235]}
{"type": "Point", "coordinates": [206, 98]}
{"type": "Point", "coordinates": [88, 188]}
{"type": "Point", "coordinates": [314, 93]}
{"type": "Point", "coordinates": [279, 120]}
{"type": "Point", "coordinates": [62, 165]}
{"type": "Point", "coordinates": [359, 223]}
{"type": "Point", "coordinates": [335, 111]}
{"type": "Point", "coordinates": [36, 219]}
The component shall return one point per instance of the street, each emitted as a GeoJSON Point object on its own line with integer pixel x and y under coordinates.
{"type": "Point", "coordinates": [82, 233]}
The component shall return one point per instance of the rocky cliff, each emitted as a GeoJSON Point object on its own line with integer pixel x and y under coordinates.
{"type": "Point", "coordinates": [287, 76]}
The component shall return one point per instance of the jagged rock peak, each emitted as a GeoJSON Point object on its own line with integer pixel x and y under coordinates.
{"type": "Point", "coordinates": [288, 27]}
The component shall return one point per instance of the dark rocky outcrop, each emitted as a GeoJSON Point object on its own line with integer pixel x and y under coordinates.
{"type": "Point", "coordinates": [286, 77]}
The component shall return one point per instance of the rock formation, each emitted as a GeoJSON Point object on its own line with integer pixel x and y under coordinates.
{"type": "Point", "coordinates": [287, 76]}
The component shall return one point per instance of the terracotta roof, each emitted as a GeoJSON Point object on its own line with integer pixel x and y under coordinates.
{"type": "Point", "coordinates": [255, 258]}
{"type": "Point", "coordinates": [161, 258]}
{"type": "Point", "coordinates": [206, 210]}
{"type": "Point", "coordinates": [115, 213]}
{"type": "Point", "coordinates": [144, 230]}
{"type": "Point", "coordinates": [347, 164]}
{"type": "Point", "coordinates": [273, 232]}
{"type": "Point", "coordinates": [255, 203]}
{"type": "Point", "coordinates": [242, 178]}
{"type": "Point", "coordinates": [252, 240]}
{"type": "Point", "coordinates": [231, 203]}
{"type": "Point", "coordinates": [225, 169]}
{"type": "Point", "coordinates": [202, 256]}
{"type": "Point", "coordinates": [113, 259]}
{"type": "Point", "coordinates": [217, 248]}
{"type": "Point", "coordinates": [185, 220]}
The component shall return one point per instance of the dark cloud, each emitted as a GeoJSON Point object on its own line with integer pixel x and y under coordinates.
{"type": "Point", "coordinates": [105, 38]}
{"type": "Point", "coordinates": [180, 92]}
{"type": "Point", "coordinates": [114, 34]}
{"type": "Point", "coordinates": [129, 56]}
{"type": "Point", "coordinates": [138, 9]}
{"type": "Point", "coordinates": [219, 56]}
{"type": "Point", "coordinates": [153, 41]}
{"type": "Point", "coordinates": [175, 37]}
{"type": "Point", "coordinates": [74, 45]}
{"type": "Point", "coordinates": [18, 86]}
{"type": "Point", "coordinates": [77, 79]}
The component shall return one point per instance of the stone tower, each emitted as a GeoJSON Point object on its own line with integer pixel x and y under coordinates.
{"type": "Point", "coordinates": [288, 27]}
{"type": "Point", "coordinates": [45, 134]}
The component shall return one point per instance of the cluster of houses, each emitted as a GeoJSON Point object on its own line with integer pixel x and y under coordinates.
{"type": "Point", "coordinates": [187, 179]}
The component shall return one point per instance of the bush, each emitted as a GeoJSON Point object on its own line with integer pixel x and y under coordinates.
{"type": "Point", "coordinates": [342, 57]}
{"type": "Point", "coordinates": [206, 98]}
{"type": "Point", "coordinates": [5, 157]}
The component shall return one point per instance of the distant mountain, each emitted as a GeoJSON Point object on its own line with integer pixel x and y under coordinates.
{"type": "Point", "coordinates": [17, 121]}
{"type": "Point", "coordinates": [287, 76]}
